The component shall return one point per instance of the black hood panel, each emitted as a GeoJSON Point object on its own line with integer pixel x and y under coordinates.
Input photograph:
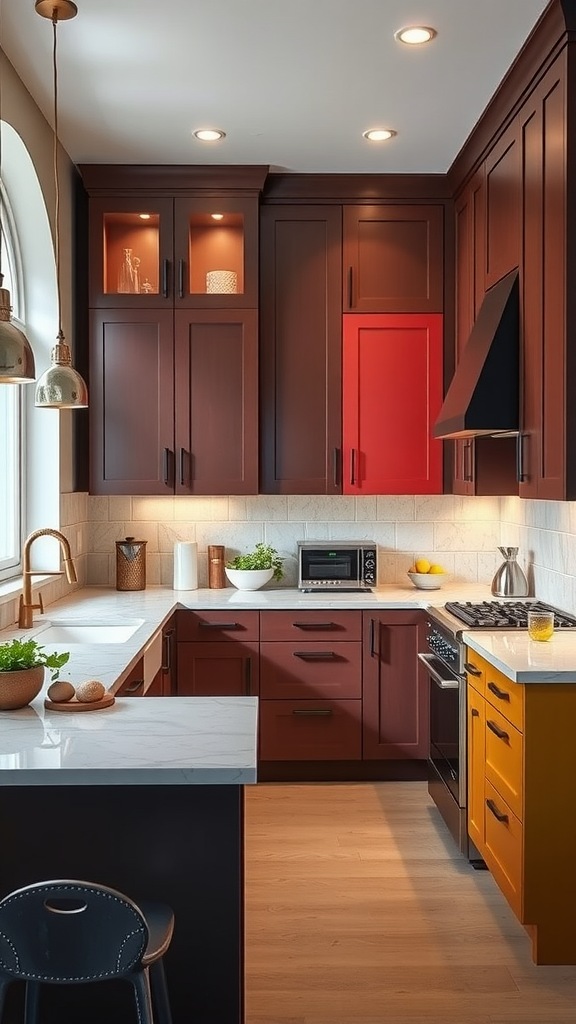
{"type": "Point", "coordinates": [483, 397]}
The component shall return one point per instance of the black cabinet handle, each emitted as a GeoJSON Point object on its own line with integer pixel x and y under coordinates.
{"type": "Point", "coordinates": [474, 712]}
{"type": "Point", "coordinates": [468, 461]}
{"type": "Point", "coordinates": [182, 464]}
{"type": "Point", "coordinates": [181, 279]}
{"type": "Point", "coordinates": [350, 286]}
{"type": "Point", "coordinates": [501, 694]}
{"type": "Point", "coordinates": [374, 653]}
{"type": "Point", "coordinates": [497, 814]}
{"type": "Point", "coordinates": [167, 641]}
{"type": "Point", "coordinates": [135, 686]}
{"type": "Point", "coordinates": [336, 466]}
{"type": "Point", "coordinates": [165, 278]}
{"type": "Point", "coordinates": [166, 466]}
{"type": "Point", "coordinates": [314, 625]}
{"type": "Point", "coordinates": [219, 625]}
{"type": "Point", "coordinates": [314, 655]}
{"type": "Point", "coordinates": [313, 711]}
{"type": "Point", "coordinates": [520, 474]}
{"type": "Point", "coordinates": [472, 669]}
{"type": "Point", "coordinates": [497, 730]}
{"type": "Point", "coordinates": [352, 466]}
{"type": "Point", "coordinates": [248, 672]}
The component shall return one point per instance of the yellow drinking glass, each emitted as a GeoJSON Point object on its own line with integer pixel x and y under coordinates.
{"type": "Point", "coordinates": [540, 625]}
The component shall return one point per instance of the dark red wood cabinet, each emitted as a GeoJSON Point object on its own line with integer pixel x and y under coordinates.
{"type": "Point", "coordinates": [392, 394]}
{"type": "Point", "coordinates": [393, 258]}
{"type": "Point", "coordinates": [217, 653]}
{"type": "Point", "coordinates": [300, 350]}
{"type": "Point", "coordinates": [395, 687]}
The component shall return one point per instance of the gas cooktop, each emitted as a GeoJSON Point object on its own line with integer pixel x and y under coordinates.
{"type": "Point", "coordinates": [504, 614]}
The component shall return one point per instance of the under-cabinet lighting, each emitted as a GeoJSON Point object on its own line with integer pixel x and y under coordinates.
{"type": "Point", "coordinates": [217, 216]}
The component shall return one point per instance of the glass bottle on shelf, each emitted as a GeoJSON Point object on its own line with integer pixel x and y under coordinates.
{"type": "Point", "coordinates": [126, 273]}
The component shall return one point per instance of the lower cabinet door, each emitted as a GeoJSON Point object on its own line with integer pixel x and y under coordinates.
{"type": "Point", "coordinates": [476, 767]}
{"type": "Point", "coordinates": [503, 847]}
{"type": "Point", "coordinates": [218, 670]}
{"type": "Point", "coordinates": [301, 670]}
{"type": "Point", "coordinates": [314, 730]}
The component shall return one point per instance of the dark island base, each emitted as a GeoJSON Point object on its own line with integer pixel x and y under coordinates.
{"type": "Point", "coordinates": [183, 845]}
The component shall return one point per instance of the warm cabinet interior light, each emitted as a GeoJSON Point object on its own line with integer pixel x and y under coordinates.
{"type": "Point", "coordinates": [217, 216]}
{"type": "Point", "coordinates": [414, 35]}
{"type": "Point", "coordinates": [144, 216]}
{"type": "Point", "coordinates": [209, 135]}
{"type": "Point", "coordinates": [378, 134]}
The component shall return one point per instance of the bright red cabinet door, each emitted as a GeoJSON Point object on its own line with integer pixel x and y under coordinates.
{"type": "Point", "coordinates": [392, 394]}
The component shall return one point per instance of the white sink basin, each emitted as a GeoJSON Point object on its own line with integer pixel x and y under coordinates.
{"type": "Point", "coordinates": [78, 631]}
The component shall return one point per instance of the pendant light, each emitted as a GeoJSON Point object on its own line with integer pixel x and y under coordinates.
{"type": "Point", "coordinates": [61, 386]}
{"type": "Point", "coordinates": [16, 356]}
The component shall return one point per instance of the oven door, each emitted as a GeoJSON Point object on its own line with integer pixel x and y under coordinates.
{"type": "Point", "coordinates": [336, 565]}
{"type": "Point", "coordinates": [447, 726]}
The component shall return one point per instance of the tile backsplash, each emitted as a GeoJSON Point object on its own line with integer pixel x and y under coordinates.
{"type": "Point", "coordinates": [462, 534]}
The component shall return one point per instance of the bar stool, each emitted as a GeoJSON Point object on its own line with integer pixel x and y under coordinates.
{"type": "Point", "coordinates": [68, 931]}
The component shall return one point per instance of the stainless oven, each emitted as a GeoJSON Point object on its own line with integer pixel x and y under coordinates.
{"type": "Point", "coordinates": [337, 565]}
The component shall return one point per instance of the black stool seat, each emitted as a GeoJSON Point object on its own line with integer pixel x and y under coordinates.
{"type": "Point", "coordinates": [67, 931]}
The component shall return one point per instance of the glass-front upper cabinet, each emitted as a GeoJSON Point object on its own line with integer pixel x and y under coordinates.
{"type": "Point", "coordinates": [195, 252]}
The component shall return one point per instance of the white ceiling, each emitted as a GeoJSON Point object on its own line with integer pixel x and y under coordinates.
{"type": "Point", "coordinates": [293, 83]}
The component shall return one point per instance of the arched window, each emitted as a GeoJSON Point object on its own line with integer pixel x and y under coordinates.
{"type": "Point", "coordinates": [11, 418]}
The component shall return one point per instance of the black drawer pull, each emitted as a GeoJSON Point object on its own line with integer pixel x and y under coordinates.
{"type": "Point", "coordinates": [314, 711]}
{"type": "Point", "coordinates": [219, 625]}
{"type": "Point", "coordinates": [497, 814]}
{"type": "Point", "coordinates": [474, 712]}
{"type": "Point", "coordinates": [314, 655]}
{"type": "Point", "coordinates": [314, 625]}
{"type": "Point", "coordinates": [135, 686]}
{"type": "Point", "coordinates": [498, 732]}
{"type": "Point", "coordinates": [499, 693]}
{"type": "Point", "coordinates": [472, 669]}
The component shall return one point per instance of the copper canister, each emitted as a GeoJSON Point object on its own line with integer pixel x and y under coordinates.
{"type": "Point", "coordinates": [131, 564]}
{"type": "Point", "coordinates": [216, 574]}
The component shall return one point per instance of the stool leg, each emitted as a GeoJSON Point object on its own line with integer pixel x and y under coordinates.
{"type": "Point", "coordinates": [141, 983]}
{"type": "Point", "coordinates": [160, 993]}
{"type": "Point", "coordinates": [32, 1003]}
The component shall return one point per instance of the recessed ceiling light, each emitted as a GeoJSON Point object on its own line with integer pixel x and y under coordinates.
{"type": "Point", "coordinates": [209, 134]}
{"type": "Point", "coordinates": [217, 216]}
{"type": "Point", "coordinates": [378, 134]}
{"type": "Point", "coordinates": [414, 35]}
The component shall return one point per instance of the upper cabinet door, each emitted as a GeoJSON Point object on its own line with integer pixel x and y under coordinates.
{"type": "Point", "coordinates": [131, 253]}
{"type": "Point", "coordinates": [216, 253]}
{"type": "Point", "coordinates": [392, 393]}
{"type": "Point", "coordinates": [503, 207]}
{"type": "Point", "coordinates": [393, 259]}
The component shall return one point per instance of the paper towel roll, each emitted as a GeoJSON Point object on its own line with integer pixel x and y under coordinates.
{"type": "Point", "coordinates": [185, 565]}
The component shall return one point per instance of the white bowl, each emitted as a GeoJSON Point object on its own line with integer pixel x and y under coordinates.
{"type": "Point", "coordinates": [249, 579]}
{"type": "Point", "coordinates": [428, 580]}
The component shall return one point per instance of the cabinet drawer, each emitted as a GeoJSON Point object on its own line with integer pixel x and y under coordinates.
{"type": "Point", "coordinates": [475, 670]}
{"type": "Point", "coordinates": [503, 847]}
{"type": "Point", "coordinates": [133, 685]}
{"type": "Point", "coordinates": [217, 626]}
{"type": "Point", "coordinates": [313, 730]}
{"type": "Point", "coordinates": [318, 669]}
{"type": "Point", "coordinates": [311, 625]}
{"type": "Point", "coordinates": [504, 748]}
{"type": "Point", "coordinates": [504, 695]}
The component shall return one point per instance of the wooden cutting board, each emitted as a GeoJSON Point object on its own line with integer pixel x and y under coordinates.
{"type": "Point", "coordinates": [77, 705]}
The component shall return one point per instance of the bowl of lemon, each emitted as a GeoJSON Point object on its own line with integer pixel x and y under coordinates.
{"type": "Point", "coordinates": [427, 575]}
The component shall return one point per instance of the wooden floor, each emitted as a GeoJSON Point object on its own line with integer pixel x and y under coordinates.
{"type": "Point", "coordinates": [360, 911]}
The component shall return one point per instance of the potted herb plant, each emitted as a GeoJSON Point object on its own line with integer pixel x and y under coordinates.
{"type": "Point", "coordinates": [253, 570]}
{"type": "Point", "coordinates": [22, 666]}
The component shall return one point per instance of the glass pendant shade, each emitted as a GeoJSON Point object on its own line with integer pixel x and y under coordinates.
{"type": "Point", "coordinates": [60, 386]}
{"type": "Point", "coordinates": [16, 356]}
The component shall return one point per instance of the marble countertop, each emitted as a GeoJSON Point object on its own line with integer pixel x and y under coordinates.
{"type": "Point", "coordinates": [162, 741]}
{"type": "Point", "coordinates": [528, 661]}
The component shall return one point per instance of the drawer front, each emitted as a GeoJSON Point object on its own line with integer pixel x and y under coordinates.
{"type": "Point", "coordinates": [504, 695]}
{"type": "Point", "coordinates": [504, 764]}
{"type": "Point", "coordinates": [314, 730]}
{"type": "Point", "coordinates": [503, 847]}
{"type": "Point", "coordinates": [311, 625]}
{"type": "Point", "coordinates": [218, 670]}
{"type": "Point", "coordinates": [475, 670]}
{"type": "Point", "coordinates": [217, 626]}
{"type": "Point", "coordinates": [311, 670]}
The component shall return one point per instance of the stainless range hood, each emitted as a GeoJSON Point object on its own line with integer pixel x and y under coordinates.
{"type": "Point", "coordinates": [483, 397]}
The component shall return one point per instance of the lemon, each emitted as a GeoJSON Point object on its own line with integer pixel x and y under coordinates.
{"type": "Point", "coordinates": [437, 569]}
{"type": "Point", "coordinates": [422, 565]}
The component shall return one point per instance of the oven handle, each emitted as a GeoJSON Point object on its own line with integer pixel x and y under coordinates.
{"type": "Point", "coordinates": [444, 684]}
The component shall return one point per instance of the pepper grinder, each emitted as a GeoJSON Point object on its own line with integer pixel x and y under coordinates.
{"type": "Point", "coordinates": [216, 574]}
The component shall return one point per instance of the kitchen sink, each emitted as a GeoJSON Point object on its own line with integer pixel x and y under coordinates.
{"type": "Point", "coordinates": [79, 631]}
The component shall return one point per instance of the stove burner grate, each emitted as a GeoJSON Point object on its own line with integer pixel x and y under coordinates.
{"type": "Point", "coordinates": [505, 614]}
